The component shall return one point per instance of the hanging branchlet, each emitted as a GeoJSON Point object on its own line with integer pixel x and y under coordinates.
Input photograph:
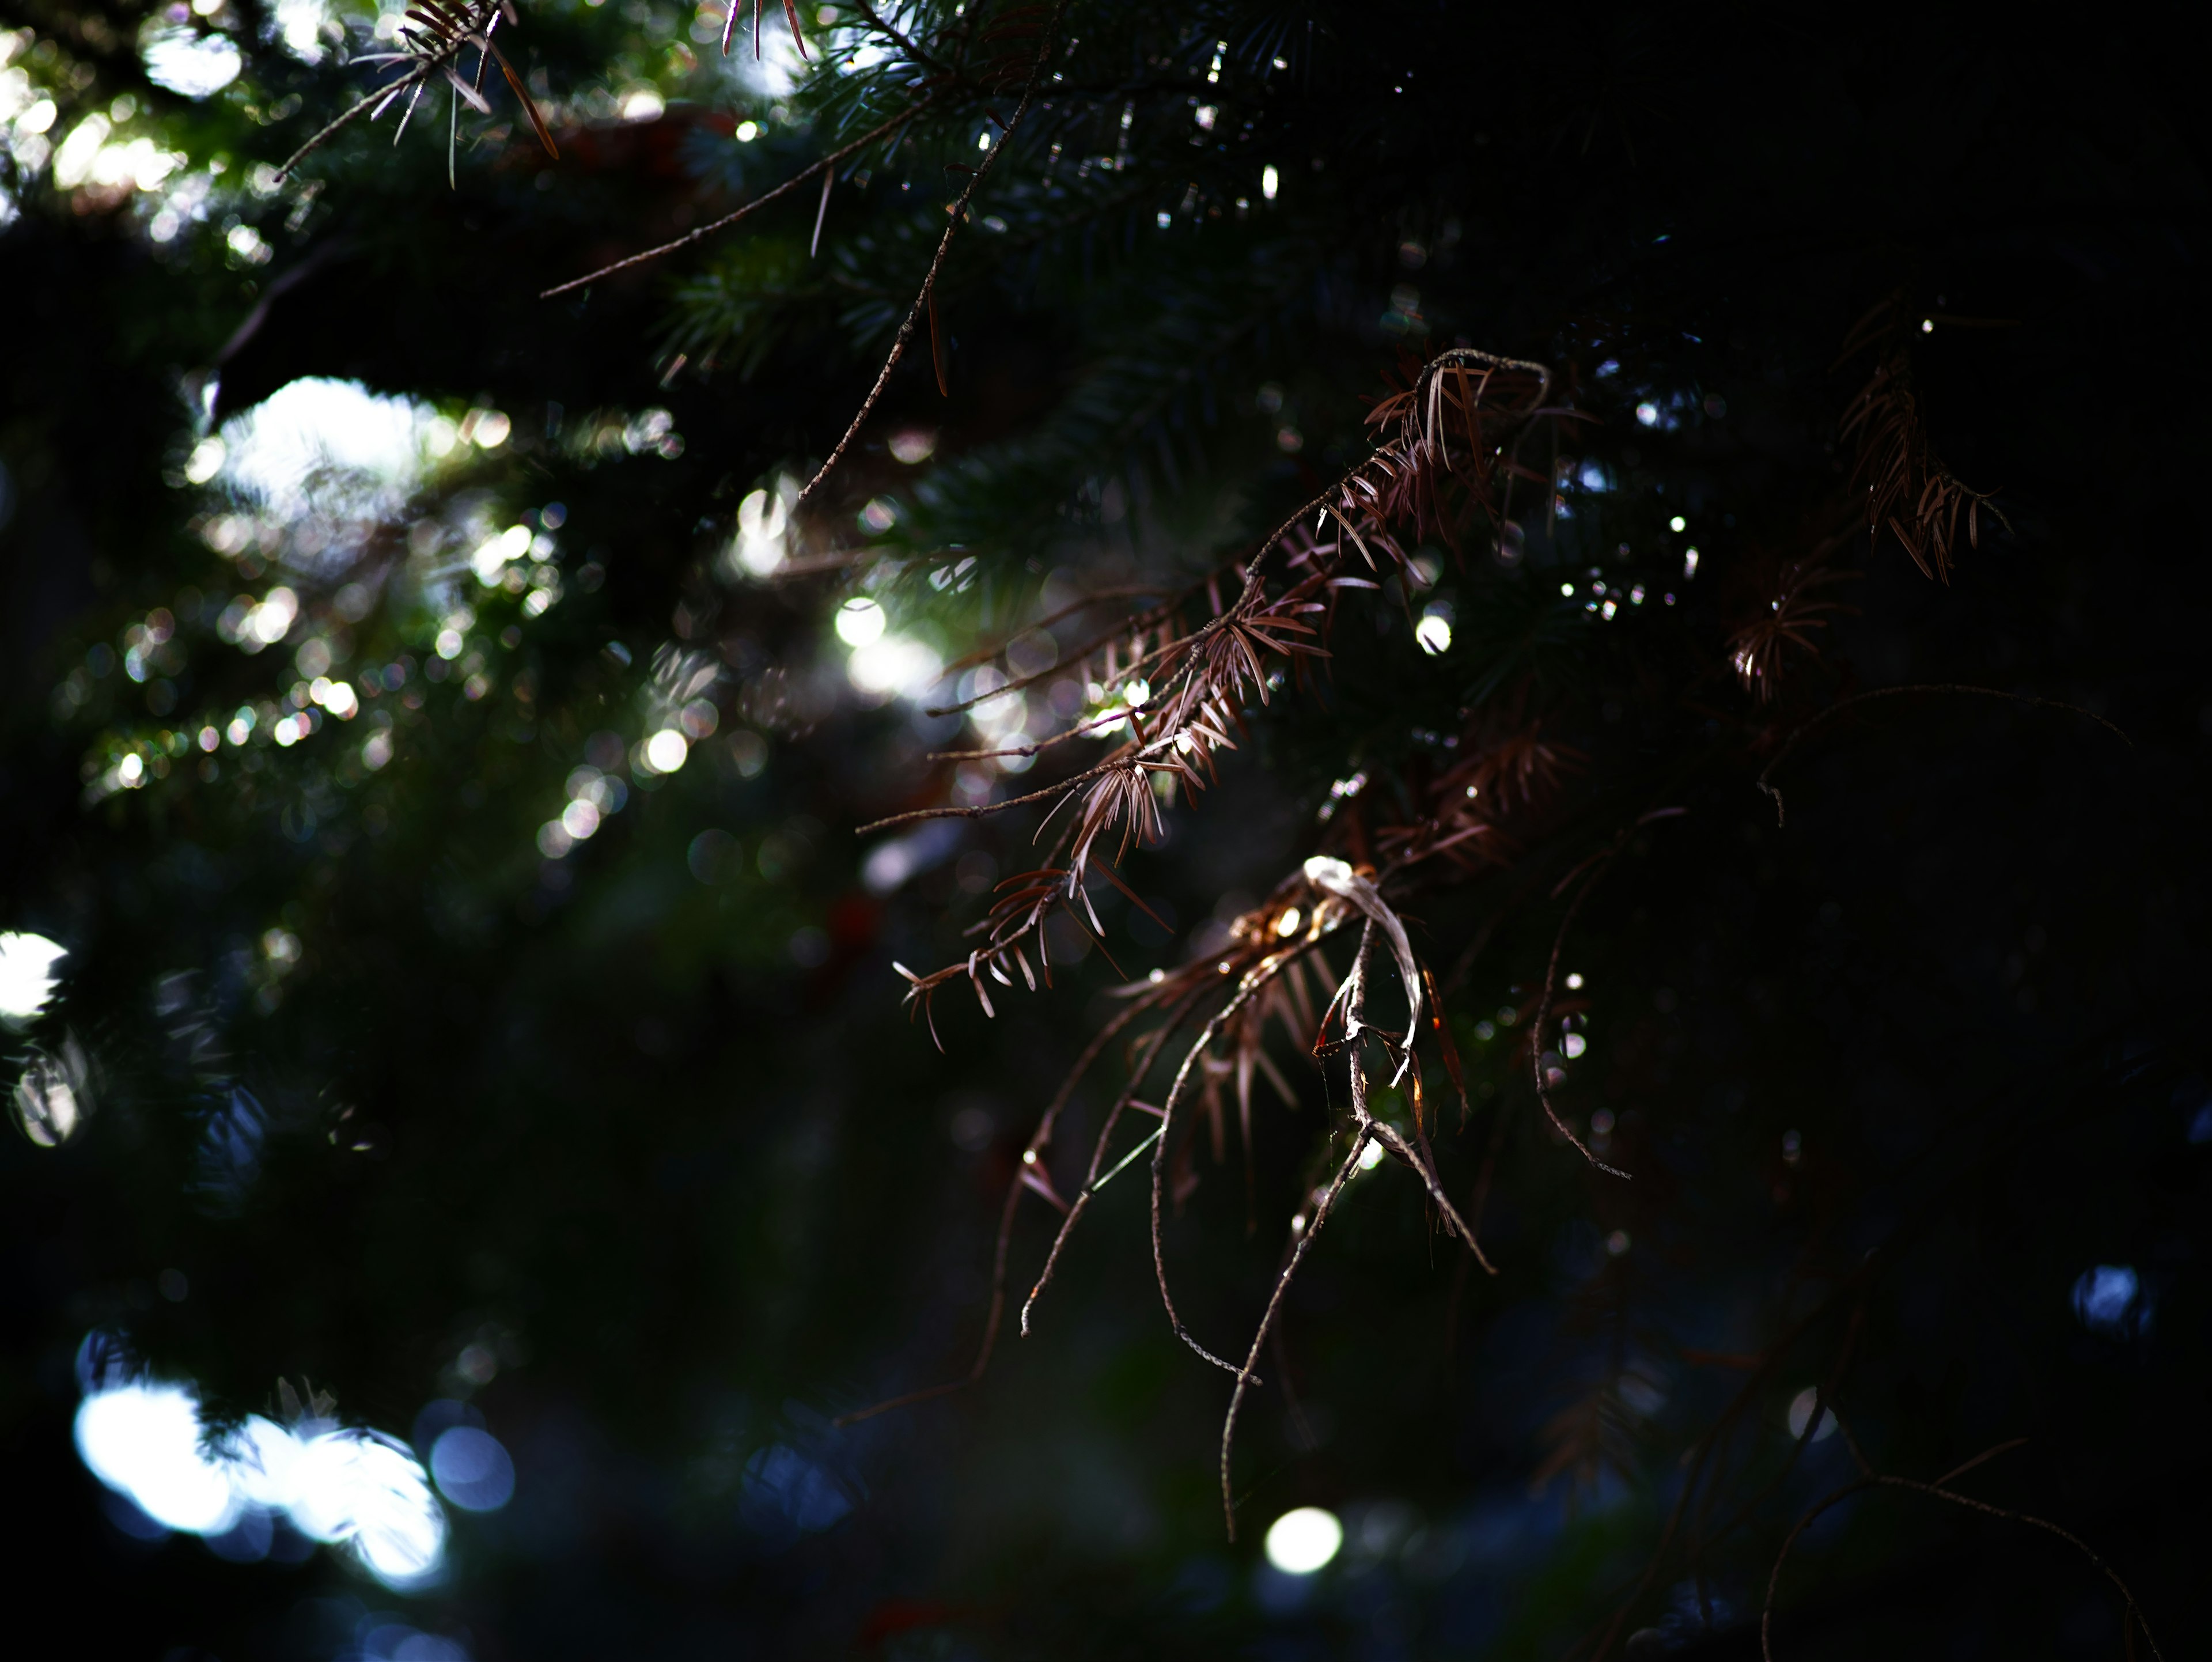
{"type": "Point", "coordinates": [1542, 1065]}
{"type": "Point", "coordinates": [1172, 695]}
{"type": "Point", "coordinates": [1795, 607]}
{"type": "Point", "coordinates": [1176, 683]}
{"type": "Point", "coordinates": [1908, 489]}
{"type": "Point", "coordinates": [1260, 982]}
{"type": "Point", "coordinates": [432, 39]}
{"type": "Point", "coordinates": [1264, 953]}
{"type": "Point", "coordinates": [944, 81]}
{"type": "Point", "coordinates": [1509, 771]}
{"type": "Point", "coordinates": [1181, 692]}
{"type": "Point", "coordinates": [924, 302]}
{"type": "Point", "coordinates": [1365, 1128]}
{"type": "Point", "coordinates": [1460, 420]}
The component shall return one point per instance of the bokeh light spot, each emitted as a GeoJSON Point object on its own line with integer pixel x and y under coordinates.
{"type": "Point", "coordinates": [2109, 1300]}
{"type": "Point", "coordinates": [473, 1470]}
{"type": "Point", "coordinates": [860, 621]}
{"type": "Point", "coordinates": [666, 751]}
{"type": "Point", "coordinates": [1302, 1540]}
{"type": "Point", "coordinates": [1800, 1416]}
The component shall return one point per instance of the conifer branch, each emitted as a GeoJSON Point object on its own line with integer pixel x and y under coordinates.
{"type": "Point", "coordinates": [436, 37]}
{"type": "Point", "coordinates": [925, 301]}
{"type": "Point", "coordinates": [826, 167]}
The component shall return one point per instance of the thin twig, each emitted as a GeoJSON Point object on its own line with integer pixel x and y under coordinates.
{"type": "Point", "coordinates": [1179, 707]}
{"type": "Point", "coordinates": [1265, 971]}
{"type": "Point", "coordinates": [1090, 728]}
{"type": "Point", "coordinates": [984, 654]}
{"type": "Point", "coordinates": [1395, 1141]}
{"type": "Point", "coordinates": [1877, 1480]}
{"type": "Point", "coordinates": [906, 46]}
{"type": "Point", "coordinates": [1246, 1376]}
{"type": "Point", "coordinates": [1250, 984]}
{"type": "Point", "coordinates": [1092, 1179]}
{"type": "Point", "coordinates": [1544, 1013]}
{"type": "Point", "coordinates": [827, 163]}
{"type": "Point", "coordinates": [1841, 704]}
{"type": "Point", "coordinates": [1039, 1139]}
{"type": "Point", "coordinates": [1365, 1128]}
{"type": "Point", "coordinates": [982, 810]}
{"type": "Point", "coordinates": [1137, 622]}
{"type": "Point", "coordinates": [922, 300]}
{"type": "Point", "coordinates": [415, 78]}
{"type": "Point", "coordinates": [424, 69]}
{"type": "Point", "coordinates": [1304, 1229]}
{"type": "Point", "coordinates": [1703, 1449]}
{"type": "Point", "coordinates": [1855, 1283]}
{"type": "Point", "coordinates": [1824, 1397]}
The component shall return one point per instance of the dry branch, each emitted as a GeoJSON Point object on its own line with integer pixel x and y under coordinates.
{"type": "Point", "coordinates": [926, 300]}
{"type": "Point", "coordinates": [1940, 1490]}
{"type": "Point", "coordinates": [826, 167]}
{"type": "Point", "coordinates": [1842, 704]}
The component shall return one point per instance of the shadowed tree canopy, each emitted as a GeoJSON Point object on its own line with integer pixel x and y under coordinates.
{"type": "Point", "coordinates": [1002, 830]}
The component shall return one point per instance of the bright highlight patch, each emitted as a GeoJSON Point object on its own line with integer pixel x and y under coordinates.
{"type": "Point", "coordinates": [27, 978]}
{"type": "Point", "coordinates": [759, 548]}
{"type": "Point", "coordinates": [1303, 1540]}
{"type": "Point", "coordinates": [893, 664]}
{"type": "Point", "coordinates": [666, 751]}
{"type": "Point", "coordinates": [143, 1440]}
{"type": "Point", "coordinates": [195, 66]}
{"type": "Point", "coordinates": [860, 621]}
{"type": "Point", "coordinates": [490, 561]}
{"type": "Point", "coordinates": [346, 1486]}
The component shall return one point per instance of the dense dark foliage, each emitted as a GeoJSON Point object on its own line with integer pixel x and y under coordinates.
{"type": "Point", "coordinates": [441, 1040]}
